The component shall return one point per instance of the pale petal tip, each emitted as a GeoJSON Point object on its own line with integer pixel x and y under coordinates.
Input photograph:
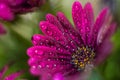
{"type": "Point", "coordinates": [48, 15]}
{"type": "Point", "coordinates": [76, 4]}
{"type": "Point", "coordinates": [88, 4]}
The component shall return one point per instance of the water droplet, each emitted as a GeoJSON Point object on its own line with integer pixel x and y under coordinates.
{"type": "Point", "coordinates": [76, 7]}
{"type": "Point", "coordinates": [50, 53]}
{"type": "Point", "coordinates": [36, 51]}
{"type": "Point", "coordinates": [49, 33]}
{"type": "Point", "coordinates": [39, 66]}
{"type": "Point", "coordinates": [43, 27]}
{"type": "Point", "coordinates": [33, 67]}
{"type": "Point", "coordinates": [63, 33]}
{"type": "Point", "coordinates": [41, 43]}
{"type": "Point", "coordinates": [47, 40]}
{"type": "Point", "coordinates": [62, 60]}
{"type": "Point", "coordinates": [57, 59]}
{"type": "Point", "coordinates": [48, 59]}
{"type": "Point", "coordinates": [55, 65]}
{"type": "Point", "coordinates": [47, 66]}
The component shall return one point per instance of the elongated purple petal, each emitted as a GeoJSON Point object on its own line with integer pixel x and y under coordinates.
{"type": "Point", "coordinates": [52, 31]}
{"type": "Point", "coordinates": [38, 39]}
{"type": "Point", "coordinates": [98, 24]}
{"type": "Point", "coordinates": [110, 31]}
{"type": "Point", "coordinates": [106, 31]}
{"type": "Point", "coordinates": [2, 71]}
{"type": "Point", "coordinates": [103, 51]}
{"type": "Point", "coordinates": [69, 29]}
{"type": "Point", "coordinates": [88, 21]}
{"type": "Point", "coordinates": [13, 76]}
{"type": "Point", "coordinates": [45, 58]}
{"type": "Point", "coordinates": [77, 14]}
{"type": "Point", "coordinates": [53, 20]}
{"type": "Point", "coordinates": [43, 73]}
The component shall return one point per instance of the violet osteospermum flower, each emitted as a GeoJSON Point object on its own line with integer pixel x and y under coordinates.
{"type": "Point", "coordinates": [65, 50]}
{"type": "Point", "coordinates": [12, 76]}
{"type": "Point", "coordinates": [10, 7]}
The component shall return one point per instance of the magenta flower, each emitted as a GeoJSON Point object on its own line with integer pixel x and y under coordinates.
{"type": "Point", "coordinates": [12, 76]}
{"type": "Point", "coordinates": [65, 50]}
{"type": "Point", "coordinates": [10, 7]}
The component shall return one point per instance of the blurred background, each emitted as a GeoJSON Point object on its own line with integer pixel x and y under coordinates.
{"type": "Point", "coordinates": [14, 43]}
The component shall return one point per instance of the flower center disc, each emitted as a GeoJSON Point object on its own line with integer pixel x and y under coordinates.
{"type": "Point", "coordinates": [82, 57]}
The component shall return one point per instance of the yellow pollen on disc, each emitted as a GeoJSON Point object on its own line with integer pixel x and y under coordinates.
{"type": "Point", "coordinates": [82, 57]}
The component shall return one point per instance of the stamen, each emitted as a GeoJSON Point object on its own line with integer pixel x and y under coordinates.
{"type": "Point", "coordinates": [82, 57]}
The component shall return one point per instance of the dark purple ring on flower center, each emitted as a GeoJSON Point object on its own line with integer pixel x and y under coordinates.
{"type": "Point", "coordinates": [82, 57]}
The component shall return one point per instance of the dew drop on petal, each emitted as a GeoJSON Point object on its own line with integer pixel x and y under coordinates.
{"type": "Point", "coordinates": [55, 65]}
{"type": "Point", "coordinates": [36, 51]}
{"type": "Point", "coordinates": [39, 66]}
{"type": "Point", "coordinates": [40, 52]}
{"type": "Point", "coordinates": [49, 33]}
{"type": "Point", "coordinates": [58, 76]}
{"type": "Point", "coordinates": [76, 7]}
{"type": "Point", "coordinates": [43, 27]}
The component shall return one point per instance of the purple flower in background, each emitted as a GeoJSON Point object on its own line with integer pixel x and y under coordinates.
{"type": "Point", "coordinates": [65, 50]}
{"type": "Point", "coordinates": [2, 30]}
{"type": "Point", "coordinates": [12, 76]}
{"type": "Point", "coordinates": [8, 8]}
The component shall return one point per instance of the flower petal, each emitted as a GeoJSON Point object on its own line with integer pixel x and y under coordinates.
{"type": "Point", "coordinates": [52, 31]}
{"type": "Point", "coordinates": [45, 58]}
{"type": "Point", "coordinates": [53, 20]}
{"type": "Point", "coordinates": [15, 2]}
{"type": "Point", "coordinates": [5, 13]}
{"type": "Point", "coordinates": [88, 21]}
{"type": "Point", "coordinates": [106, 31]}
{"type": "Point", "coordinates": [42, 73]}
{"type": "Point", "coordinates": [39, 39]}
{"type": "Point", "coordinates": [13, 76]}
{"type": "Point", "coordinates": [77, 14]}
{"type": "Point", "coordinates": [103, 51]}
{"type": "Point", "coordinates": [69, 29]}
{"type": "Point", "coordinates": [110, 30]}
{"type": "Point", "coordinates": [58, 76]}
{"type": "Point", "coordinates": [98, 24]}
{"type": "Point", "coordinates": [105, 48]}
{"type": "Point", "coordinates": [2, 71]}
